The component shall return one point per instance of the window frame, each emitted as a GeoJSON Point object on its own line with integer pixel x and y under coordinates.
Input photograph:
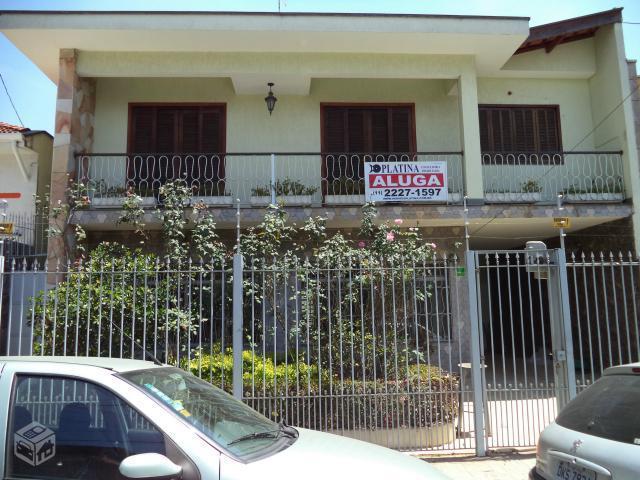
{"type": "Point", "coordinates": [364, 105]}
{"type": "Point", "coordinates": [131, 130]}
{"type": "Point", "coordinates": [16, 375]}
{"type": "Point", "coordinates": [552, 157]}
{"type": "Point", "coordinates": [221, 155]}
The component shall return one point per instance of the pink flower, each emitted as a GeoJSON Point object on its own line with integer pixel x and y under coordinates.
{"type": "Point", "coordinates": [433, 245]}
{"type": "Point", "coordinates": [391, 236]}
{"type": "Point", "coordinates": [398, 221]}
{"type": "Point", "coordinates": [361, 244]}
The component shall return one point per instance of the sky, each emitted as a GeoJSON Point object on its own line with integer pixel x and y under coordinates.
{"type": "Point", "coordinates": [34, 95]}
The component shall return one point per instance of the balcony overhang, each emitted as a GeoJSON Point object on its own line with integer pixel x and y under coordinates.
{"type": "Point", "coordinates": [41, 35]}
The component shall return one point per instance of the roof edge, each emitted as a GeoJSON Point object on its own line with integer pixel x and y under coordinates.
{"type": "Point", "coordinates": [240, 13]}
{"type": "Point", "coordinates": [549, 35]}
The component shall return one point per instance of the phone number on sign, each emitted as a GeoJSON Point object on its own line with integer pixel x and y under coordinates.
{"type": "Point", "coordinates": [408, 192]}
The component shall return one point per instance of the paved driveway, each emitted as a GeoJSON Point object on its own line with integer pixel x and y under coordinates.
{"type": "Point", "coordinates": [497, 467]}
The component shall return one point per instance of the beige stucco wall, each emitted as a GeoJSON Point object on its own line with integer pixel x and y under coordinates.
{"type": "Point", "coordinates": [295, 123]}
{"type": "Point", "coordinates": [13, 181]}
{"type": "Point", "coordinates": [293, 127]}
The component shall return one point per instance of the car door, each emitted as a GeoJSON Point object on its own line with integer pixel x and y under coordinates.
{"type": "Point", "coordinates": [73, 427]}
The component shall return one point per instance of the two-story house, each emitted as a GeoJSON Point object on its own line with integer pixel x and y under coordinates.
{"type": "Point", "coordinates": [519, 115]}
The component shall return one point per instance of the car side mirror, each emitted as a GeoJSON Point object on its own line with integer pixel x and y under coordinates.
{"type": "Point", "coordinates": [149, 466]}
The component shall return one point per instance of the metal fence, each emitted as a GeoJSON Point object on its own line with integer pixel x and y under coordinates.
{"type": "Point", "coordinates": [530, 178]}
{"type": "Point", "coordinates": [439, 355]}
{"type": "Point", "coordinates": [28, 238]}
{"type": "Point", "coordinates": [256, 179]}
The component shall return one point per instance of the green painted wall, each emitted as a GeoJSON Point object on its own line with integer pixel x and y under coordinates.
{"type": "Point", "coordinates": [295, 123]}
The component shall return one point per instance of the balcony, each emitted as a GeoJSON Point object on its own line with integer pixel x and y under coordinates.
{"type": "Point", "coordinates": [255, 179]}
{"type": "Point", "coordinates": [581, 177]}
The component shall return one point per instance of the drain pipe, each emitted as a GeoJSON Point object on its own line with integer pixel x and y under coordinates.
{"type": "Point", "coordinates": [16, 153]}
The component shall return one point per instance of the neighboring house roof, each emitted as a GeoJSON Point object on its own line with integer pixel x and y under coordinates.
{"type": "Point", "coordinates": [551, 35]}
{"type": "Point", "coordinates": [8, 128]}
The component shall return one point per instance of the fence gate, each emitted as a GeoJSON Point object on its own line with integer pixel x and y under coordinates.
{"type": "Point", "coordinates": [523, 358]}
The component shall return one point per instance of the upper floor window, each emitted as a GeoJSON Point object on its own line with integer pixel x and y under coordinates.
{"type": "Point", "coordinates": [176, 128]}
{"type": "Point", "coordinates": [368, 128]}
{"type": "Point", "coordinates": [352, 134]}
{"type": "Point", "coordinates": [520, 129]}
{"type": "Point", "coordinates": [174, 141]}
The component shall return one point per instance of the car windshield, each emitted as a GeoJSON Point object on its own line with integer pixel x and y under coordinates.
{"type": "Point", "coordinates": [230, 423]}
{"type": "Point", "coordinates": [607, 409]}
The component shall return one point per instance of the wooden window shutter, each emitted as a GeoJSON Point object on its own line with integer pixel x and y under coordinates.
{"type": "Point", "coordinates": [519, 129]}
{"type": "Point", "coordinates": [525, 135]}
{"type": "Point", "coordinates": [189, 141]}
{"type": "Point", "coordinates": [368, 129]}
{"type": "Point", "coordinates": [548, 131]}
{"type": "Point", "coordinates": [486, 145]}
{"type": "Point", "coordinates": [356, 136]}
{"type": "Point", "coordinates": [402, 130]}
{"type": "Point", "coordinates": [211, 131]}
{"type": "Point", "coordinates": [380, 136]}
{"type": "Point", "coordinates": [334, 130]}
{"type": "Point", "coordinates": [166, 131]}
{"type": "Point", "coordinates": [143, 127]}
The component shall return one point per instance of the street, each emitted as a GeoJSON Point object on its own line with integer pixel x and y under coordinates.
{"type": "Point", "coordinates": [512, 466]}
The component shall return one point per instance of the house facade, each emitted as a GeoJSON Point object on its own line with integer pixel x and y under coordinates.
{"type": "Point", "coordinates": [518, 114]}
{"type": "Point", "coordinates": [25, 161]}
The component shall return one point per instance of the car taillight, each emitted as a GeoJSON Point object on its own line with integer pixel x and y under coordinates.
{"type": "Point", "coordinates": [635, 369]}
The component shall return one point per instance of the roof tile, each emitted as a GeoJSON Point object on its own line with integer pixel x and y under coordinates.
{"type": "Point", "coordinates": [8, 128]}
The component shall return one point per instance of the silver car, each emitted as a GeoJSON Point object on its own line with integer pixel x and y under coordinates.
{"type": "Point", "coordinates": [597, 435]}
{"type": "Point", "coordinates": [104, 419]}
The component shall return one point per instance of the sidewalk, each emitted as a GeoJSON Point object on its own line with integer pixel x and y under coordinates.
{"type": "Point", "coordinates": [514, 466]}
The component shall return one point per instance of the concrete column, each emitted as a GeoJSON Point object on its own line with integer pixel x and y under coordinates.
{"type": "Point", "coordinates": [470, 131]}
{"type": "Point", "coordinates": [630, 144]}
{"type": "Point", "coordinates": [75, 109]}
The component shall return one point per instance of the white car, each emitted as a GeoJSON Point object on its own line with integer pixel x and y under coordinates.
{"type": "Point", "coordinates": [597, 435]}
{"type": "Point", "coordinates": [105, 419]}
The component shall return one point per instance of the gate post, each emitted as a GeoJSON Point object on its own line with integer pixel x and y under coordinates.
{"type": "Point", "coordinates": [476, 361]}
{"type": "Point", "coordinates": [237, 325]}
{"type": "Point", "coordinates": [561, 336]}
{"type": "Point", "coordinates": [566, 321]}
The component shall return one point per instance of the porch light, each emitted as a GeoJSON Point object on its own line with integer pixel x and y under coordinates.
{"type": "Point", "coordinates": [270, 99]}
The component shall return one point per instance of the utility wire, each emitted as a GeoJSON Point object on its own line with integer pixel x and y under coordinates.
{"type": "Point", "coordinates": [604, 119]}
{"type": "Point", "coordinates": [11, 100]}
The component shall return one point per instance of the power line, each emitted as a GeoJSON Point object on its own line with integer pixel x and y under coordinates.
{"type": "Point", "coordinates": [11, 100]}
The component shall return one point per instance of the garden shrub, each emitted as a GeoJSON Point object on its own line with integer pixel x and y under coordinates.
{"type": "Point", "coordinates": [298, 394]}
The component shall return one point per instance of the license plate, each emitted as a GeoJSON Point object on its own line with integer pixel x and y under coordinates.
{"type": "Point", "coordinates": [569, 471]}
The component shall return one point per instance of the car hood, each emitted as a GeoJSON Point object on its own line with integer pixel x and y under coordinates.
{"type": "Point", "coordinates": [318, 455]}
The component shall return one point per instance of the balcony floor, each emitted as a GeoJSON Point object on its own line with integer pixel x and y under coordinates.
{"type": "Point", "coordinates": [512, 222]}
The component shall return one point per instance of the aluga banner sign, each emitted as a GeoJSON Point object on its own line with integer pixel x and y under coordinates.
{"type": "Point", "coordinates": [406, 182]}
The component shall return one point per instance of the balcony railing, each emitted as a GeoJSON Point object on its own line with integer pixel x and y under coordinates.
{"type": "Point", "coordinates": [256, 179]}
{"type": "Point", "coordinates": [531, 178]}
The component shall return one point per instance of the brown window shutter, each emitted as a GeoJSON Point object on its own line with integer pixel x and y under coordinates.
{"type": "Point", "coordinates": [548, 131]}
{"type": "Point", "coordinates": [212, 140]}
{"type": "Point", "coordinates": [356, 131]}
{"type": "Point", "coordinates": [525, 138]}
{"type": "Point", "coordinates": [334, 130]}
{"type": "Point", "coordinates": [378, 133]}
{"type": "Point", "coordinates": [520, 129]}
{"type": "Point", "coordinates": [142, 130]}
{"type": "Point", "coordinates": [166, 131]}
{"type": "Point", "coordinates": [189, 141]}
{"type": "Point", "coordinates": [402, 130]}
{"type": "Point", "coordinates": [486, 144]}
